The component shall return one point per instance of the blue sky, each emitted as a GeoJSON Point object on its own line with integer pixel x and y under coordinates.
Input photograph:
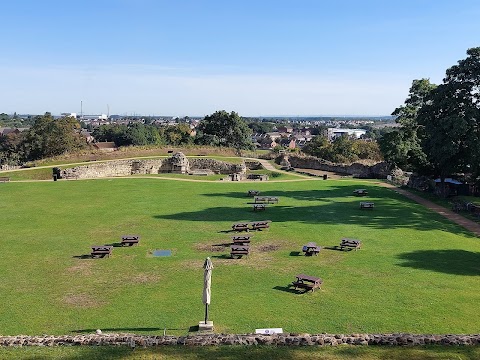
{"type": "Point", "coordinates": [258, 58]}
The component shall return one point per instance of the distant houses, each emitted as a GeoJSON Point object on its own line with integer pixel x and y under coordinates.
{"type": "Point", "coordinates": [4, 131]}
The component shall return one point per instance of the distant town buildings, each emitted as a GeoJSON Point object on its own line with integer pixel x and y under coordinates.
{"type": "Point", "coordinates": [333, 133]}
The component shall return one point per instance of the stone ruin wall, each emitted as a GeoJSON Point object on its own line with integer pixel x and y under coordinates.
{"type": "Point", "coordinates": [217, 166]}
{"type": "Point", "coordinates": [377, 171]}
{"type": "Point", "coordinates": [146, 166]}
{"type": "Point", "coordinates": [285, 339]}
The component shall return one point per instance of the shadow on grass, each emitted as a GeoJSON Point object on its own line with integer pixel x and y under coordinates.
{"type": "Point", "coordinates": [388, 214]}
{"type": "Point", "coordinates": [115, 244]}
{"type": "Point", "coordinates": [456, 262]}
{"type": "Point", "coordinates": [223, 256]}
{"type": "Point", "coordinates": [295, 253]}
{"type": "Point", "coordinates": [289, 290]}
{"type": "Point", "coordinates": [83, 257]}
{"type": "Point", "coordinates": [334, 248]}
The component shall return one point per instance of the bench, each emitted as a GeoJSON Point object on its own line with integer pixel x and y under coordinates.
{"type": "Point", "coordinates": [350, 244]}
{"type": "Point", "coordinates": [240, 227]}
{"type": "Point", "coordinates": [130, 240]}
{"type": "Point", "coordinates": [311, 249]}
{"type": "Point", "coordinates": [266, 199]}
{"type": "Point", "coordinates": [4, 179]}
{"type": "Point", "coordinates": [367, 205]}
{"type": "Point", "coordinates": [253, 192]}
{"type": "Point", "coordinates": [239, 250]}
{"type": "Point", "coordinates": [360, 192]}
{"type": "Point", "coordinates": [241, 239]}
{"type": "Point", "coordinates": [307, 282]}
{"type": "Point", "coordinates": [259, 225]}
{"type": "Point", "coordinates": [101, 251]}
{"type": "Point", "coordinates": [259, 207]}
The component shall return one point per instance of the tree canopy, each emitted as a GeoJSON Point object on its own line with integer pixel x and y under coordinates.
{"type": "Point", "coordinates": [225, 129]}
{"type": "Point", "coordinates": [440, 125]}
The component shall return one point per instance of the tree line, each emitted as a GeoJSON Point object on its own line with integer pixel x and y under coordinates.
{"type": "Point", "coordinates": [439, 131]}
{"type": "Point", "coordinates": [49, 137]}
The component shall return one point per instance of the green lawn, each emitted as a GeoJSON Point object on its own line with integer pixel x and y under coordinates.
{"type": "Point", "coordinates": [416, 272]}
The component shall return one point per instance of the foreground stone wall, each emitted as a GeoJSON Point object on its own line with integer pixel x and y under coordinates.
{"type": "Point", "coordinates": [148, 166]}
{"type": "Point", "coordinates": [244, 339]}
{"type": "Point", "coordinates": [377, 171]}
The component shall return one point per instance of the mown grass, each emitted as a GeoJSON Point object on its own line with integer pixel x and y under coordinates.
{"type": "Point", "coordinates": [241, 352]}
{"type": "Point", "coordinates": [415, 273]}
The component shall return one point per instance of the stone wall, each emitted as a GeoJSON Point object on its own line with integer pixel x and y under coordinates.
{"type": "Point", "coordinates": [217, 166]}
{"type": "Point", "coordinates": [377, 171]}
{"type": "Point", "coordinates": [176, 163]}
{"type": "Point", "coordinates": [243, 339]}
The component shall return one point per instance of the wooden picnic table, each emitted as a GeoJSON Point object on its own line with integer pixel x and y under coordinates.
{"type": "Point", "coordinates": [4, 179]}
{"type": "Point", "coordinates": [241, 239]}
{"type": "Point", "coordinates": [266, 199]}
{"type": "Point", "coordinates": [360, 192]}
{"type": "Point", "coordinates": [350, 244]}
{"type": "Point", "coordinates": [259, 225]}
{"type": "Point", "coordinates": [307, 282]}
{"type": "Point", "coordinates": [366, 205]}
{"type": "Point", "coordinates": [253, 192]}
{"type": "Point", "coordinates": [101, 251]}
{"type": "Point", "coordinates": [130, 240]}
{"type": "Point", "coordinates": [311, 248]}
{"type": "Point", "coordinates": [259, 207]}
{"type": "Point", "coordinates": [239, 250]}
{"type": "Point", "coordinates": [241, 226]}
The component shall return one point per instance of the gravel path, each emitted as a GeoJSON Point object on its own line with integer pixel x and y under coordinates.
{"type": "Point", "coordinates": [450, 215]}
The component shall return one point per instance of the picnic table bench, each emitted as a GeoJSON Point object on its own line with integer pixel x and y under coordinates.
{"type": "Point", "coordinates": [253, 192]}
{"type": "Point", "coordinates": [259, 207]}
{"type": "Point", "coordinates": [239, 250]}
{"type": "Point", "coordinates": [360, 192]}
{"type": "Point", "coordinates": [4, 179]}
{"type": "Point", "coordinates": [130, 240]}
{"type": "Point", "coordinates": [350, 244]}
{"type": "Point", "coordinates": [240, 226]}
{"type": "Point", "coordinates": [101, 251]}
{"type": "Point", "coordinates": [366, 205]}
{"type": "Point", "coordinates": [259, 225]}
{"type": "Point", "coordinates": [311, 248]}
{"type": "Point", "coordinates": [241, 239]}
{"type": "Point", "coordinates": [266, 199]}
{"type": "Point", "coordinates": [307, 282]}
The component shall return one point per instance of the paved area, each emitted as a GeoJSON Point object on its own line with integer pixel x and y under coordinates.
{"type": "Point", "coordinates": [452, 216]}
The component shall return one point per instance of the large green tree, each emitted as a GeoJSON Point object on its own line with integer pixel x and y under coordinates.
{"type": "Point", "coordinates": [225, 129]}
{"type": "Point", "coordinates": [51, 137]}
{"type": "Point", "coordinates": [403, 146]}
{"type": "Point", "coordinates": [451, 119]}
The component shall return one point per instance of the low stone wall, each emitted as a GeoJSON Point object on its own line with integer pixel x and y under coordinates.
{"type": "Point", "coordinates": [377, 171]}
{"type": "Point", "coordinates": [147, 166]}
{"type": "Point", "coordinates": [98, 170]}
{"type": "Point", "coordinates": [244, 339]}
{"type": "Point", "coordinates": [217, 166]}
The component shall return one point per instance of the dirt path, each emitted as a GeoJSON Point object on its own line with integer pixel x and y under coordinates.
{"type": "Point", "coordinates": [450, 215]}
{"type": "Point", "coordinates": [270, 167]}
